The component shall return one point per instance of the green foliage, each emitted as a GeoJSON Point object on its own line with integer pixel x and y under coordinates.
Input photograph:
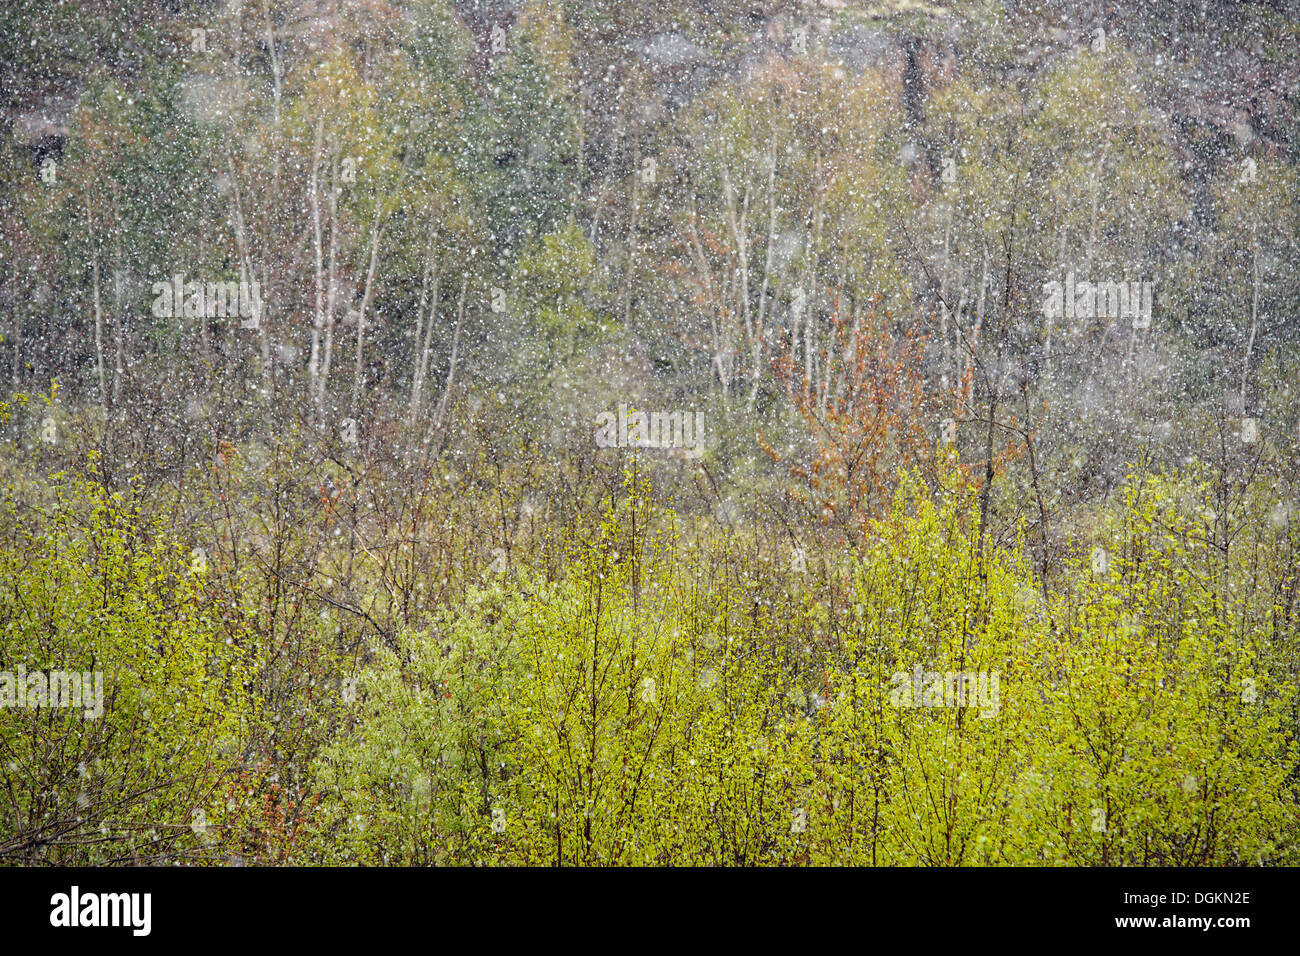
{"type": "Point", "coordinates": [558, 293]}
{"type": "Point", "coordinates": [525, 137]}
{"type": "Point", "coordinates": [89, 586]}
{"type": "Point", "coordinates": [682, 211]}
{"type": "Point", "coordinates": [633, 712]}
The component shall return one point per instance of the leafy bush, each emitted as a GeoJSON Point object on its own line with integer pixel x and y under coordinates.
{"type": "Point", "coordinates": [641, 710]}
{"type": "Point", "coordinates": [91, 586]}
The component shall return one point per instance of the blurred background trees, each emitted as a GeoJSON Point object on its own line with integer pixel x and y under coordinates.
{"type": "Point", "coordinates": [478, 224]}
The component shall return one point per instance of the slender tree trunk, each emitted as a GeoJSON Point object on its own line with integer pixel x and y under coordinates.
{"type": "Point", "coordinates": [756, 361]}
{"type": "Point", "coordinates": [17, 318]}
{"type": "Point", "coordinates": [1047, 349]}
{"type": "Point", "coordinates": [828, 367]}
{"type": "Point", "coordinates": [99, 332]}
{"type": "Point", "coordinates": [375, 232]}
{"type": "Point", "coordinates": [426, 351]}
{"type": "Point", "coordinates": [277, 75]}
{"type": "Point", "coordinates": [633, 234]}
{"type": "Point", "coordinates": [119, 360]}
{"type": "Point", "coordinates": [119, 347]}
{"type": "Point", "coordinates": [1254, 324]}
{"type": "Point", "coordinates": [737, 225]}
{"type": "Point", "coordinates": [811, 356]}
{"type": "Point", "coordinates": [424, 332]}
{"type": "Point", "coordinates": [204, 337]}
{"type": "Point", "coordinates": [716, 298]}
{"type": "Point", "coordinates": [417, 352]}
{"type": "Point", "coordinates": [331, 285]}
{"type": "Point", "coordinates": [248, 274]}
{"type": "Point", "coordinates": [455, 348]}
{"type": "Point", "coordinates": [318, 318]}
{"type": "Point", "coordinates": [277, 86]}
{"type": "Point", "coordinates": [948, 363]}
{"type": "Point", "coordinates": [1038, 495]}
{"type": "Point", "coordinates": [994, 385]}
{"type": "Point", "coordinates": [968, 400]}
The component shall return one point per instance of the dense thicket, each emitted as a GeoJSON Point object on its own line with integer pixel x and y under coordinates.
{"type": "Point", "coordinates": [356, 534]}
